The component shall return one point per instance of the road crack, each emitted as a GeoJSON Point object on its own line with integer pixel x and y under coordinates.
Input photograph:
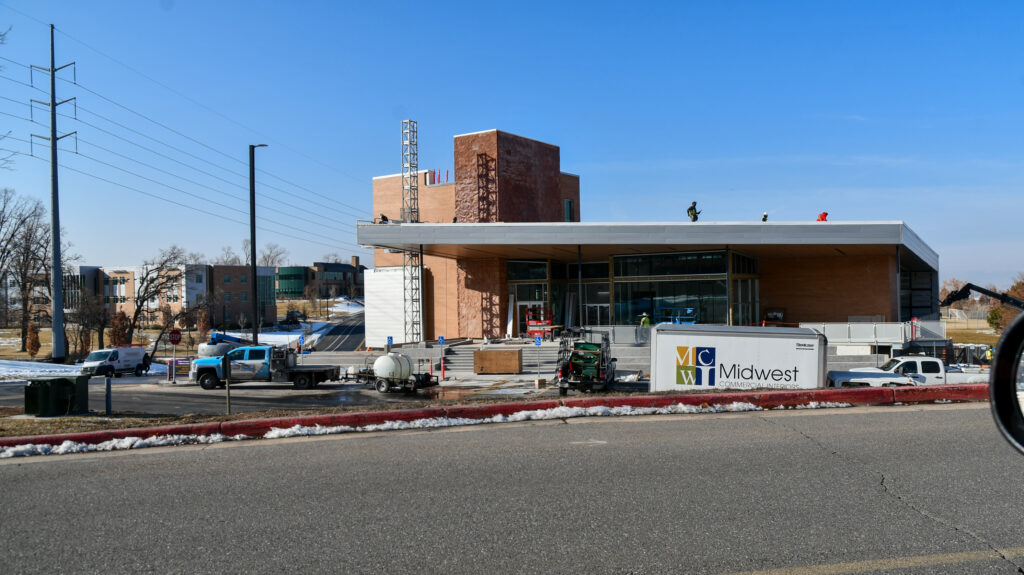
{"type": "Point", "coordinates": [889, 490]}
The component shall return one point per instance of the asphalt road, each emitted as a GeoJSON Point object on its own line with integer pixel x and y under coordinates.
{"type": "Point", "coordinates": [903, 489]}
{"type": "Point", "coordinates": [347, 335]}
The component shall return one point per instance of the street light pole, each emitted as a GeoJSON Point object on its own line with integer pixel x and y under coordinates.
{"type": "Point", "coordinates": [253, 289]}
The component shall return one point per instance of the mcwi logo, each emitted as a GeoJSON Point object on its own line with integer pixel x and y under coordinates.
{"type": "Point", "coordinates": [695, 366]}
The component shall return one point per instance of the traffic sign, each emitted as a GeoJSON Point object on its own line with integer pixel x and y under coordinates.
{"type": "Point", "coordinates": [440, 340]}
{"type": "Point", "coordinates": [174, 337]}
{"type": "Point", "coordinates": [391, 340]}
{"type": "Point", "coordinates": [536, 340]}
{"type": "Point", "coordinates": [302, 339]}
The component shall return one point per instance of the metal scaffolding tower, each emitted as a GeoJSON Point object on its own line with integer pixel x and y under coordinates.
{"type": "Point", "coordinates": [413, 260]}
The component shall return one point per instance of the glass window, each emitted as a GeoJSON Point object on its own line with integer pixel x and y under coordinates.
{"type": "Point", "coordinates": [567, 210]}
{"type": "Point", "coordinates": [242, 278]}
{"type": "Point", "coordinates": [909, 367]}
{"type": "Point", "coordinates": [930, 367]}
{"type": "Point", "coordinates": [237, 354]}
{"type": "Point", "coordinates": [667, 301]}
{"type": "Point", "coordinates": [257, 354]}
{"type": "Point", "coordinates": [245, 296]}
{"type": "Point", "coordinates": [695, 263]}
{"type": "Point", "coordinates": [227, 297]}
{"type": "Point", "coordinates": [227, 278]}
{"type": "Point", "coordinates": [591, 271]}
{"type": "Point", "coordinates": [531, 292]}
{"type": "Point", "coordinates": [527, 270]}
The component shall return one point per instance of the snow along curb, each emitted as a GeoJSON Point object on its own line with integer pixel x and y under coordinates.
{"type": "Point", "coordinates": [505, 411]}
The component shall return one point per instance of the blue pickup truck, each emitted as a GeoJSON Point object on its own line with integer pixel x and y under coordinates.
{"type": "Point", "coordinates": [261, 363]}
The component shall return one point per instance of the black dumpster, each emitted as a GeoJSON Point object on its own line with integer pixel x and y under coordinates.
{"type": "Point", "coordinates": [56, 396]}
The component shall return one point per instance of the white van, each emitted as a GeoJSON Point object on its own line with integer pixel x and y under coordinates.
{"type": "Point", "coordinates": [116, 361]}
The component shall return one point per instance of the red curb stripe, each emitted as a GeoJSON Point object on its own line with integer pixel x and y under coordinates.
{"type": "Point", "coordinates": [972, 392]}
{"type": "Point", "coordinates": [763, 399]}
{"type": "Point", "coordinates": [485, 411]}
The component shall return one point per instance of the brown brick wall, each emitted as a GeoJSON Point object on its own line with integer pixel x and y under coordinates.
{"type": "Point", "coordinates": [440, 297]}
{"type": "Point", "coordinates": [483, 297]}
{"type": "Point", "coordinates": [830, 289]}
{"type": "Point", "coordinates": [569, 189]}
{"type": "Point", "coordinates": [528, 180]}
{"type": "Point", "coordinates": [467, 193]}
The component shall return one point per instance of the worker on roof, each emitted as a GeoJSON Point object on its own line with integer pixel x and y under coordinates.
{"type": "Point", "coordinates": [764, 217]}
{"type": "Point", "coordinates": [692, 212]}
{"type": "Point", "coordinates": [823, 217]}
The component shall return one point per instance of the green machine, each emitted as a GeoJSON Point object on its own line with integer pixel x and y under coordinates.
{"type": "Point", "coordinates": [584, 361]}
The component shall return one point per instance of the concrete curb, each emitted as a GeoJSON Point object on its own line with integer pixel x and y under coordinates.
{"type": "Point", "coordinates": [763, 399]}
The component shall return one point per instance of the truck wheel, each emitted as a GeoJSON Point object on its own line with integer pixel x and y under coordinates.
{"type": "Point", "coordinates": [301, 381]}
{"type": "Point", "coordinates": [208, 380]}
{"type": "Point", "coordinates": [382, 385]}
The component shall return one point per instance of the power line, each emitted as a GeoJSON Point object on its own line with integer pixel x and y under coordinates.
{"type": "Point", "coordinates": [26, 84]}
{"type": "Point", "coordinates": [140, 176]}
{"type": "Point", "coordinates": [189, 154]}
{"type": "Point", "coordinates": [190, 207]}
{"type": "Point", "coordinates": [207, 108]}
{"type": "Point", "coordinates": [228, 182]}
{"type": "Point", "coordinates": [361, 211]}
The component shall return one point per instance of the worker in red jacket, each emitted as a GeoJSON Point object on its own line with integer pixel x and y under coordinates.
{"type": "Point", "coordinates": [823, 217]}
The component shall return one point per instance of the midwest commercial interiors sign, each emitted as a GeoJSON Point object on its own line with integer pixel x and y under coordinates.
{"type": "Point", "coordinates": [723, 357]}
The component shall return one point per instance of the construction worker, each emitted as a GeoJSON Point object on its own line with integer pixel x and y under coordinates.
{"type": "Point", "coordinates": [383, 219]}
{"type": "Point", "coordinates": [643, 329]}
{"type": "Point", "coordinates": [823, 217]}
{"type": "Point", "coordinates": [988, 355]}
{"type": "Point", "coordinates": [764, 217]}
{"type": "Point", "coordinates": [692, 212]}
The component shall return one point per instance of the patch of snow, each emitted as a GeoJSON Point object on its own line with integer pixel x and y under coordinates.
{"type": "Point", "coordinates": [11, 369]}
{"type": "Point", "coordinates": [561, 412]}
{"type": "Point", "coordinates": [114, 444]}
{"type": "Point", "coordinates": [287, 338]}
{"type": "Point", "coordinates": [823, 405]}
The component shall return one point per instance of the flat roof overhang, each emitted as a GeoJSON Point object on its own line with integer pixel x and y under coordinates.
{"type": "Point", "coordinates": [598, 241]}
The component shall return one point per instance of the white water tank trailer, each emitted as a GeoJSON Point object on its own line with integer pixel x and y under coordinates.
{"type": "Point", "coordinates": [685, 357]}
{"type": "Point", "coordinates": [393, 366]}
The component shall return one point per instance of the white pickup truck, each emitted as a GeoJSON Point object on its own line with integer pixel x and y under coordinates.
{"type": "Point", "coordinates": [906, 370]}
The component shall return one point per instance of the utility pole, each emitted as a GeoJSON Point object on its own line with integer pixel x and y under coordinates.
{"type": "Point", "coordinates": [253, 288]}
{"type": "Point", "coordinates": [56, 269]}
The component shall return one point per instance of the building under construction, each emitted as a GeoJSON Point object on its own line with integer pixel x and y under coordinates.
{"type": "Point", "coordinates": [502, 244]}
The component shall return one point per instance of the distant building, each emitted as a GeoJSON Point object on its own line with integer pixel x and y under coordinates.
{"type": "Point", "coordinates": [230, 291]}
{"type": "Point", "coordinates": [323, 280]}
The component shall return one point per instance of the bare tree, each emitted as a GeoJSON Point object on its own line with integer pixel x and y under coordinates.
{"type": "Point", "coordinates": [87, 316]}
{"type": "Point", "coordinates": [195, 258]}
{"type": "Point", "coordinates": [155, 279]}
{"type": "Point", "coordinates": [332, 258]}
{"type": "Point", "coordinates": [246, 250]}
{"type": "Point", "coordinates": [28, 264]}
{"type": "Point", "coordinates": [227, 257]}
{"type": "Point", "coordinates": [272, 255]}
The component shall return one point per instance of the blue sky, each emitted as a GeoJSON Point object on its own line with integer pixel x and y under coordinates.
{"type": "Point", "coordinates": [872, 111]}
